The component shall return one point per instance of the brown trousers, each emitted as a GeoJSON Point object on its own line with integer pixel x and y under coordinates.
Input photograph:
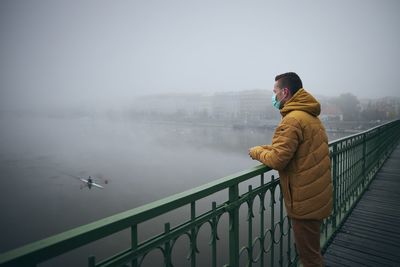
{"type": "Point", "coordinates": [306, 237]}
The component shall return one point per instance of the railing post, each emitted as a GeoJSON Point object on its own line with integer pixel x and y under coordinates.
{"type": "Point", "coordinates": [250, 229]}
{"type": "Point", "coordinates": [167, 247]}
{"type": "Point", "coordinates": [193, 242]}
{"type": "Point", "coordinates": [364, 155]}
{"type": "Point", "coordinates": [378, 149]}
{"type": "Point", "coordinates": [262, 210]}
{"type": "Point", "coordinates": [335, 189]}
{"type": "Point", "coordinates": [272, 205]}
{"type": "Point", "coordinates": [289, 248]}
{"type": "Point", "coordinates": [281, 228]}
{"type": "Point", "coordinates": [134, 242]}
{"type": "Point", "coordinates": [214, 236]}
{"type": "Point", "coordinates": [233, 226]}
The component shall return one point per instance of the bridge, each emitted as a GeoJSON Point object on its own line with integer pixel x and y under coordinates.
{"type": "Point", "coordinates": [240, 220]}
{"type": "Point", "coordinates": [371, 233]}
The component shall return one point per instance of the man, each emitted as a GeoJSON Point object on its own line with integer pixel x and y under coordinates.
{"type": "Point", "coordinates": [299, 151]}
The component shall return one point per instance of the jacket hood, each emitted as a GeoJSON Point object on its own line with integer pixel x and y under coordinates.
{"type": "Point", "coordinates": [303, 101]}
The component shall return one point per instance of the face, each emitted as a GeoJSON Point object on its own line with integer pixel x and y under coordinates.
{"type": "Point", "coordinates": [281, 93]}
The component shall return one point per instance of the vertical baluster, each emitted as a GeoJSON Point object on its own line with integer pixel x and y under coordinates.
{"type": "Point", "coordinates": [354, 167]}
{"type": "Point", "coordinates": [233, 226]}
{"type": "Point", "coordinates": [340, 178]}
{"type": "Point", "coordinates": [348, 170]}
{"type": "Point", "coordinates": [343, 155]}
{"type": "Point", "coordinates": [193, 235]}
{"type": "Point", "coordinates": [362, 158]}
{"type": "Point", "coordinates": [289, 242]}
{"type": "Point", "coordinates": [351, 167]}
{"type": "Point", "coordinates": [214, 235]}
{"type": "Point", "coordinates": [325, 223]}
{"type": "Point", "coordinates": [167, 246]}
{"type": "Point", "coordinates": [377, 157]}
{"type": "Point", "coordinates": [366, 155]}
{"type": "Point", "coordinates": [371, 152]}
{"type": "Point", "coordinates": [272, 203]}
{"type": "Point", "coordinates": [261, 211]}
{"type": "Point", "coordinates": [379, 147]}
{"type": "Point", "coordinates": [359, 164]}
{"type": "Point", "coordinates": [374, 157]}
{"type": "Point", "coordinates": [346, 167]}
{"type": "Point", "coordinates": [337, 176]}
{"type": "Point", "coordinates": [335, 182]}
{"type": "Point", "coordinates": [250, 229]}
{"type": "Point", "coordinates": [350, 174]}
{"type": "Point", "coordinates": [134, 243]}
{"type": "Point", "coordinates": [388, 141]}
{"type": "Point", "coordinates": [343, 177]}
{"type": "Point", "coordinates": [281, 228]}
{"type": "Point", "coordinates": [355, 164]}
{"type": "Point", "coordinates": [347, 176]}
{"type": "Point", "coordinates": [374, 153]}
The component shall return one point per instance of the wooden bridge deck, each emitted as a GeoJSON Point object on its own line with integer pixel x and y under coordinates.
{"type": "Point", "coordinates": [371, 234]}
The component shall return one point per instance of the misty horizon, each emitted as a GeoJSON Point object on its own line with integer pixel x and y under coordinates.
{"type": "Point", "coordinates": [134, 99]}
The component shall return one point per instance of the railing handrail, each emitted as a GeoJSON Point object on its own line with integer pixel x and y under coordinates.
{"type": "Point", "coordinates": [82, 235]}
{"type": "Point", "coordinates": [360, 133]}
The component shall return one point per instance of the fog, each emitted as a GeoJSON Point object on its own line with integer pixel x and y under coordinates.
{"type": "Point", "coordinates": [154, 96]}
{"type": "Point", "coordinates": [103, 54]}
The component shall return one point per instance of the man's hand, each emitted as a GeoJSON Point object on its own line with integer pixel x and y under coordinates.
{"type": "Point", "coordinates": [255, 152]}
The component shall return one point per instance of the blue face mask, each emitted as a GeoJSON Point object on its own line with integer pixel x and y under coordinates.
{"type": "Point", "coordinates": [275, 102]}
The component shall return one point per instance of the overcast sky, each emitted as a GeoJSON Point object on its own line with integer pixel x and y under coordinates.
{"type": "Point", "coordinates": [56, 53]}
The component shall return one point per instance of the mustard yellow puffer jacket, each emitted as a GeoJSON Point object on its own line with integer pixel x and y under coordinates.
{"type": "Point", "coordinates": [299, 151]}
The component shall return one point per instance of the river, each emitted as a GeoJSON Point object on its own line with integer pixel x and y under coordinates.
{"type": "Point", "coordinates": [141, 162]}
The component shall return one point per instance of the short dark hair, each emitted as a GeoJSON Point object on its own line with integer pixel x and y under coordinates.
{"type": "Point", "coordinates": [289, 80]}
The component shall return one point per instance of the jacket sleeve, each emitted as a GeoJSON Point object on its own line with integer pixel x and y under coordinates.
{"type": "Point", "coordinates": [284, 145]}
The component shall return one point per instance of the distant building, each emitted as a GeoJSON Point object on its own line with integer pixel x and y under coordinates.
{"type": "Point", "coordinates": [255, 105]}
{"type": "Point", "coordinates": [330, 112]}
{"type": "Point", "coordinates": [244, 106]}
{"type": "Point", "coordinates": [387, 108]}
{"type": "Point", "coordinates": [173, 103]}
{"type": "Point", "coordinates": [225, 105]}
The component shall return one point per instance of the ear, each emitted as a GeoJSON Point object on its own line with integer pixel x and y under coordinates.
{"type": "Point", "coordinates": [287, 94]}
{"type": "Point", "coordinates": [286, 91]}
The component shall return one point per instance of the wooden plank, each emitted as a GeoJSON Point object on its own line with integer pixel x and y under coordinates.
{"type": "Point", "coordinates": [370, 235]}
{"type": "Point", "coordinates": [383, 250]}
{"type": "Point", "coordinates": [360, 256]}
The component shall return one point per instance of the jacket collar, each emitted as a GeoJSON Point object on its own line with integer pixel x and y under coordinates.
{"type": "Point", "coordinates": [303, 101]}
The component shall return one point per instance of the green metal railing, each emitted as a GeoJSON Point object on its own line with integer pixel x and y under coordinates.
{"type": "Point", "coordinates": [355, 161]}
{"type": "Point", "coordinates": [250, 215]}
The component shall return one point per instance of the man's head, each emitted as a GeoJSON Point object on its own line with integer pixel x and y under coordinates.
{"type": "Point", "coordinates": [286, 85]}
